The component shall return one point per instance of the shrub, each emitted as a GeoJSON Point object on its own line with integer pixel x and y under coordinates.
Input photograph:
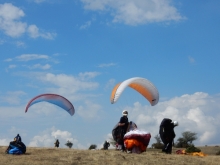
{"type": "Point", "coordinates": [157, 145]}
{"type": "Point", "coordinates": [93, 146]}
{"type": "Point", "coordinates": [69, 144]}
{"type": "Point", "coordinates": [186, 139]}
{"type": "Point", "coordinates": [192, 148]}
{"type": "Point", "coordinates": [218, 153]}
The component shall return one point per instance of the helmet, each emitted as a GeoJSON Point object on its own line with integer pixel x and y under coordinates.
{"type": "Point", "coordinates": [124, 113]}
{"type": "Point", "coordinates": [175, 123]}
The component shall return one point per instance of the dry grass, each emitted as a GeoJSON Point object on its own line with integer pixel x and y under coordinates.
{"type": "Point", "coordinates": [54, 156]}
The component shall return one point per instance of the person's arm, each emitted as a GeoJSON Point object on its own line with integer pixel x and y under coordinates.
{"type": "Point", "coordinates": [121, 124]}
{"type": "Point", "coordinates": [128, 127]}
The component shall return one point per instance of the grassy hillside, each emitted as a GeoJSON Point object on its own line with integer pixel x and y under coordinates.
{"type": "Point", "coordinates": [54, 156]}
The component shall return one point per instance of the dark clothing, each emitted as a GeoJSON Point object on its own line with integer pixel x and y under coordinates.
{"type": "Point", "coordinates": [18, 138]}
{"type": "Point", "coordinates": [167, 134]}
{"type": "Point", "coordinates": [57, 143]}
{"type": "Point", "coordinates": [16, 148]}
{"type": "Point", "coordinates": [106, 145]}
{"type": "Point", "coordinates": [122, 130]}
{"type": "Point", "coordinates": [115, 132]}
{"type": "Point", "coordinates": [124, 119]}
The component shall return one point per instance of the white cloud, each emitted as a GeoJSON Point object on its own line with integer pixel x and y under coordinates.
{"type": "Point", "coordinates": [11, 25]}
{"type": "Point", "coordinates": [20, 44]}
{"type": "Point", "coordinates": [110, 83]}
{"type": "Point", "coordinates": [12, 66]}
{"type": "Point", "coordinates": [133, 12]}
{"type": "Point", "coordinates": [39, 1]}
{"type": "Point", "coordinates": [44, 108]}
{"type": "Point", "coordinates": [106, 65]}
{"type": "Point", "coordinates": [61, 134]}
{"type": "Point", "coordinates": [75, 88]}
{"type": "Point", "coordinates": [196, 113]}
{"type": "Point", "coordinates": [11, 112]}
{"type": "Point", "coordinates": [70, 84]}
{"type": "Point", "coordinates": [34, 32]}
{"type": "Point", "coordinates": [39, 66]}
{"type": "Point", "coordinates": [191, 59]}
{"type": "Point", "coordinates": [12, 97]}
{"type": "Point", "coordinates": [89, 111]}
{"type": "Point", "coordinates": [9, 16]}
{"type": "Point", "coordinates": [28, 57]}
{"type": "Point", "coordinates": [88, 75]}
{"type": "Point", "coordinates": [48, 137]}
{"type": "Point", "coordinates": [4, 142]}
{"type": "Point", "coordinates": [8, 60]}
{"type": "Point", "coordinates": [86, 25]}
{"type": "Point", "coordinates": [2, 41]}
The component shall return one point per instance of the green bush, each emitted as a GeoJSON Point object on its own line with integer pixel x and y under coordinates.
{"type": "Point", "coordinates": [69, 144]}
{"type": "Point", "coordinates": [157, 145]}
{"type": "Point", "coordinates": [93, 146]}
{"type": "Point", "coordinates": [192, 148]}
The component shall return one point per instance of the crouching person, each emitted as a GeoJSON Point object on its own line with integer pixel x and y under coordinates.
{"type": "Point", "coordinates": [16, 147]}
{"type": "Point", "coordinates": [106, 145]}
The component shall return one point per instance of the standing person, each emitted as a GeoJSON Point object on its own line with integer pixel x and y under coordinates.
{"type": "Point", "coordinates": [57, 143]}
{"type": "Point", "coordinates": [123, 125]}
{"type": "Point", "coordinates": [167, 134]}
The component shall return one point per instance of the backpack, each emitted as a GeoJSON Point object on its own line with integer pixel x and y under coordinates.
{"type": "Point", "coordinates": [116, 132]}
{"type": "Point", "coordinates": [164, 124]}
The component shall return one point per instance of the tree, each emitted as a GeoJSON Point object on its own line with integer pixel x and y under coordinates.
{"type": "Point", "coordinates": [186, 140]}
{"type": "Point", "coordinates": [158, 144]}
{"type": "Point", "coordinates": [69, 144]}
{"type": "Point", "coordinates": [93, 146]}
{"type": "Point", "coordinates": [158, 139]}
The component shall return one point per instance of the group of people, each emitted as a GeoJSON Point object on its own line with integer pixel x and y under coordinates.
{"type": "Point", "coordinates": [166, 132]}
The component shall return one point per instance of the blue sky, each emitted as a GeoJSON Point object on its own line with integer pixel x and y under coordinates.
{"type": "Point", "coordinates": [80, 49]}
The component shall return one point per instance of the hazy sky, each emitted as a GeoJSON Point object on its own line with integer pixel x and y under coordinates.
{"type": "Point", "coordinates": [80, 49]}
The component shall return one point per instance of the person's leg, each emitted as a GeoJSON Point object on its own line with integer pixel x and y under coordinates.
{"type": "Point", "coordinates": [165, 146]}
{"type": "Point", "coordinates": [169, 147]}
{"type": "Point", "coordinates": [123, 146]}
{"type": "Point", "coordinates": [164, 142]}
{"type": "Point", "coordinates": [120, 144]}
